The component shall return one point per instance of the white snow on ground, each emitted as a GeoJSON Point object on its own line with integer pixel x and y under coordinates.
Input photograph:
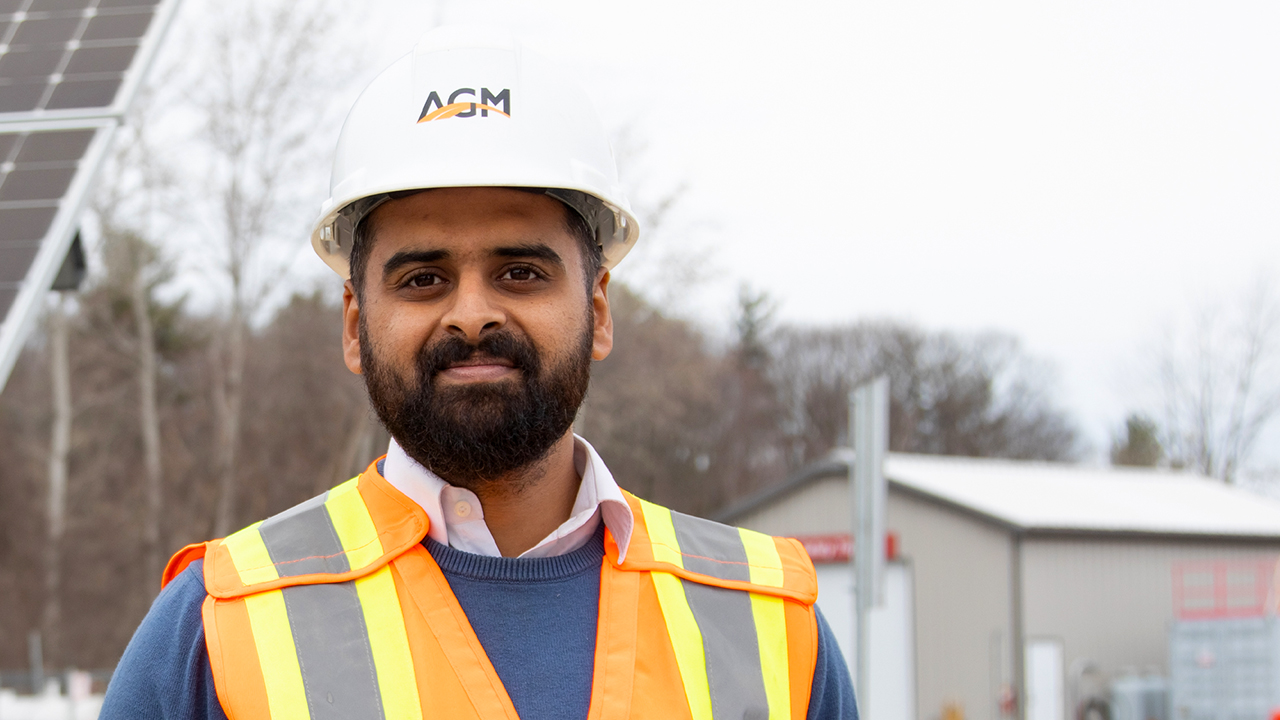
{"type": "Point", "coordinates": [49, 705]}
{"type": "Point", "coordinates": [1070, 497]}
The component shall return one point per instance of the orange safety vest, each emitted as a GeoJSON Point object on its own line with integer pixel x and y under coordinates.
{"type": "Point", "coordinates": [334, 609]}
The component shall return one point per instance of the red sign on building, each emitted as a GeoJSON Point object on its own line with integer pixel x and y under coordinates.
{"type": "Point", "coordinates": [838, 547]}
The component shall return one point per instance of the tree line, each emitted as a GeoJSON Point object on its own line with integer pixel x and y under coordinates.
{"type": "Point", "coordinates": [680, 418]}
{"type": "Point", "coordinates": [1216, 380]}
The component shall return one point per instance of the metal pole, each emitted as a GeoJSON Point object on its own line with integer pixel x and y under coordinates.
{"type": "Point", "coordinates": [859, 532]}
{"type": "Point", "coordinates": [35, 655]}
{"type": "Point", "coordinates": [869, 430]}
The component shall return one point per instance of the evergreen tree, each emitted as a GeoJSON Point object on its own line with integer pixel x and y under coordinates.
{"type": "Point", "coordinates": [1140, 446]}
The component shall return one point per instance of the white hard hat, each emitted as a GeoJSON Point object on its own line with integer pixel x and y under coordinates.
{"type": "Point", "coordinates": [472, 107]}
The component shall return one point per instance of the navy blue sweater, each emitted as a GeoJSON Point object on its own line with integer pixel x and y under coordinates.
{"type": "Point", "coordinates": [535, 617]}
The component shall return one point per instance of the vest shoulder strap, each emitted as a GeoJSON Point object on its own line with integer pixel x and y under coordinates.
{"type": "Point", "coordinates": [344, 534]}
{"type": "Point", "coordinates": [181, 560]}
{"type": "Point", "coordinates": [710, 553]}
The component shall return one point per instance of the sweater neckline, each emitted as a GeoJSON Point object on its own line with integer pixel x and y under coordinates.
{"type": "Point", "coordinates": [505, 569]}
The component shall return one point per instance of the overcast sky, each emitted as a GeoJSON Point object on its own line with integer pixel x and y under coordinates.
{"type": "Point", "coordinates": [1078, 174]}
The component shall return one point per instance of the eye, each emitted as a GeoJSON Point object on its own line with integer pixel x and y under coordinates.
{"type": "Point", "coordinates": [521, 274]}
{"type": "Point", "coordinates": [423, 280]}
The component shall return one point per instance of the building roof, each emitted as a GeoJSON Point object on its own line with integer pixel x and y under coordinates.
{"type": "Point", "coordinates": [1054, 497]}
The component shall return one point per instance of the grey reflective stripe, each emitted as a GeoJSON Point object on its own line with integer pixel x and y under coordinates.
{"type": "Point", "coordinates": [710, 548]}
{"type": "Point", "coordinates": [731, 649]}
{"type": "Point", "coordinates": [302, 541]}
{"type": "Point", "coordinates": [725, 617]}
{"type": "Point", "coordinates": [334, 654]}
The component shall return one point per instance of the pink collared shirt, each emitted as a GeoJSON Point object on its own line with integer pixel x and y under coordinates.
{"type": "Point", "coordinates": [457, 519]}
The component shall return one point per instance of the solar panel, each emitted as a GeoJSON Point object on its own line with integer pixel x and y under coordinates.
{"type": "Point", "coordinates": [68, 54]}
{"type": "Point", "coordinates": [36, 170]}
{"type": "Point", "coordinates": [68, 71]}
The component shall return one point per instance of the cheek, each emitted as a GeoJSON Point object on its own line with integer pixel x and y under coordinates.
{"type": "Point", "coordinates": [548, 316]}
{"type": "Point", "coordinates": [568, 321]}
{"type": "Point", "coordinates": [555, 336]}
{"type": "Point", "coordinates": [399, 333]}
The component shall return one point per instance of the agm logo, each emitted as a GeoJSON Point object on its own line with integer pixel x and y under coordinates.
{"type": "Point", "coordinates": [460, 106]}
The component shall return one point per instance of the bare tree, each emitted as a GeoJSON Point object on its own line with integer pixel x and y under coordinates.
{"type": "Point", "coordinates": [128, 206]}
{"type": "Point", "coordinates": [949, 394]}
{"type": "Point", "coordinates": [25, 421]}
{"type": "Point", "coordinates": [300, 438]}
{"type": "Point", "coordinates": [654, 405]}
{"type": "Point", "coordinates": [1220, 381]}
{"type": "Point", "coordinates": [59, 453]}
{"type": "Point", "coordinates": [136, 271]}
{"type": "Point", "coordinates": [670, 265]}
{"type": "Point", "coordinates": [264, 86]}
{"type": "Point", "coordinates": [308, 424]}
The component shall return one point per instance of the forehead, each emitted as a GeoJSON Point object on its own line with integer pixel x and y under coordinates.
{"type": "Point", "coordinates": [469, 218]}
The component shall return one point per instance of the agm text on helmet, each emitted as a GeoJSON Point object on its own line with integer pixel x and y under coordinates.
{"type": "Point", "coordinates": [464, 108]}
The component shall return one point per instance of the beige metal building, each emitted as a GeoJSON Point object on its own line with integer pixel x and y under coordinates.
{"type": "Point", "coordinates": [1032, 581]}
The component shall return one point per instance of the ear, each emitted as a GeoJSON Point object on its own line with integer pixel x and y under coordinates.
{"type": "Point", "coordinates": [351, 328]}
{"type": "Point", "coordinates": [602, 337]}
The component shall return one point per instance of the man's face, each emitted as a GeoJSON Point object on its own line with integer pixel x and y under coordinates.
{"type": "Point", "coordinates": [475, 332]}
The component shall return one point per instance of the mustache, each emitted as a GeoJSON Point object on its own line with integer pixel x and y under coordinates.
{"type": "Point", "coordinates": [499, 344]}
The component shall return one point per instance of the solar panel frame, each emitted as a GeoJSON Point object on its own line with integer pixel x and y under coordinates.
{"type": "Point", "coordinates": [88, 86]}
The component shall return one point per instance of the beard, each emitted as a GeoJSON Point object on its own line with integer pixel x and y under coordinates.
{"type": "Point", "coordinates": [474, 434]}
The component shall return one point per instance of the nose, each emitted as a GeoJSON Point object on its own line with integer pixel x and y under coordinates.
{"type": "Point", "coordinates": [473, 311]}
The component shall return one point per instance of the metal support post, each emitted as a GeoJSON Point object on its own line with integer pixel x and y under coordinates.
{"type": "Point", "coordinates": [869, 430]}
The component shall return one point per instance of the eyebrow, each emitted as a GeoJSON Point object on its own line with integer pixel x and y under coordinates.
{"type": "Point", "coordinates": [408, 257]}
{"type": "Point", "coordinates": [540, 251]}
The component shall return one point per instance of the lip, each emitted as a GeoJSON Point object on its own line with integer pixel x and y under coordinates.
{"type": "Point", "coordinates": [478, 369]}
{"type": "Point", "coordinates": [481, 361]}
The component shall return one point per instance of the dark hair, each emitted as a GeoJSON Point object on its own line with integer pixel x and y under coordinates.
{"type": "Point", "coordinates": [575, 224]}
{"type": "Point", "coordinates": [592, 252]}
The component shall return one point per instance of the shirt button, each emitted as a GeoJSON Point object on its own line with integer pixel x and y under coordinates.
{"type": "Point", "coordinates": [462, 509]}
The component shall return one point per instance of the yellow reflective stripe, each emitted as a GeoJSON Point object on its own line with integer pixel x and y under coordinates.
{"type": "Point", "coordinates": [389, 642]}
{"type": "Point", "coordinates": [771, 635]}
{"type": "Point", "coordinates": [277, 656]}
{"type": "Point", "coordinates": [770, 617]}
{"type": "Point", "coordinates": [662, 534]}
{"type": "Point", "coordinates": [353, 524]}
{"type": "Point", "coordinates": [250, 556]}
{"type": "Point", "coordinates": [686, 640]}
{"type": "Point", "coordinates": [762, 557]}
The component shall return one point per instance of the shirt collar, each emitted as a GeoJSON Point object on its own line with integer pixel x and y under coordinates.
{"type": "Point", "coordinates": [599, 499]}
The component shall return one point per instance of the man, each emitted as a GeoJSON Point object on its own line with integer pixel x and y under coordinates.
{"type": "Point", "coordinates": [489, 566]}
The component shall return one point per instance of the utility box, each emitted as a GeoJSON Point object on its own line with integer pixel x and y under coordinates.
{"type": "Point", "coordinates": [1224, 648]}
{"type": "Point", "coordinates": [1140, 698]}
